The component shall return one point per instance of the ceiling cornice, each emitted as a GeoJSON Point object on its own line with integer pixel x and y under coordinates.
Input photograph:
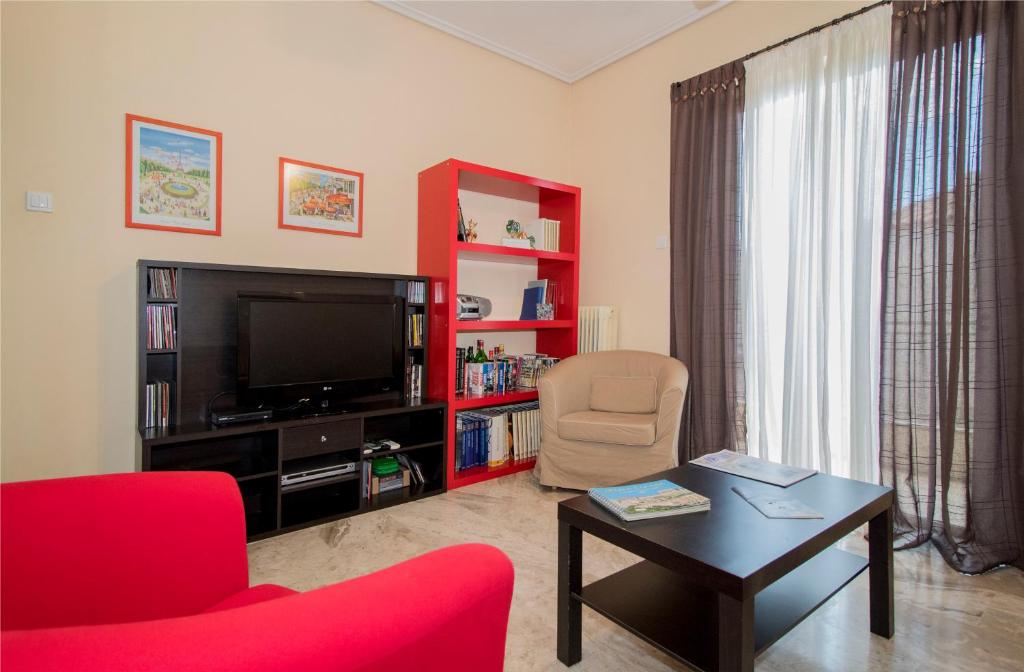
{"type": "Point", "coordinates": [409, 10]}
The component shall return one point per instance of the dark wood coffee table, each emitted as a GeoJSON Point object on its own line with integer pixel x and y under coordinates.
{"type": "Point", "coordinates": [718, 588]}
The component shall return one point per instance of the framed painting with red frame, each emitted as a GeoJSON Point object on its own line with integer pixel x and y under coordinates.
{"type": "Point", "coordinates": [323, 199]}
{"type": "Point", "coordinates": [172, 176]}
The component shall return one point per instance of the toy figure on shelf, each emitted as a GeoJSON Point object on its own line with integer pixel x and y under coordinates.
{"type": "Point", "coordinates": [471, 231]}
{"type": "Point", "coordinates": [515, 230]}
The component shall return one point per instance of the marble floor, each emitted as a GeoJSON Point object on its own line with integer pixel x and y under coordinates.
{"type": "Point", "coordinates": [944, 620]}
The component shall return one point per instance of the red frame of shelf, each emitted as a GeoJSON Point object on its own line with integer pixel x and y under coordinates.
{"type": "Point", "coordinates": [478, 474]}
{"type": "Point", "coordinates": [501, 250]}
{"type": "Point", "coordinates": [512, 325]}
{"type": "Point", "coordinates": [461, 402]}
{"type": "Point", "coordinates": [437, 257]}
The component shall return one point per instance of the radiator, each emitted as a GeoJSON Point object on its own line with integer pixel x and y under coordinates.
{"type": "Point", "coordinates": [599, 328]}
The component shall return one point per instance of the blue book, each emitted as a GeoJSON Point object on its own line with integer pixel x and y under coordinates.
{"type": "Point", "coordinates": [531, 297]}
{"type": "Point", "coordinates": [653, 499]}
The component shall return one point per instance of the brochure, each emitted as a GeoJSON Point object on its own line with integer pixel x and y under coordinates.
{"type": "Point", "coordinates": [753, 467]}
{"type": "Point", "coordinates": [776, 504]}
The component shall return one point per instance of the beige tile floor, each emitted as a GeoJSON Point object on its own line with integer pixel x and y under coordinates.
{"type": "Point", "coordinates": [944, 620]}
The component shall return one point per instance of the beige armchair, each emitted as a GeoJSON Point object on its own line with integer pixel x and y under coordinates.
{"type": "Point", "coordinates": [609, 417]}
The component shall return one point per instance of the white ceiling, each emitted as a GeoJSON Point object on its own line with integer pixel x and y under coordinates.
{"type": "Point", "coordinates": [567, 39]}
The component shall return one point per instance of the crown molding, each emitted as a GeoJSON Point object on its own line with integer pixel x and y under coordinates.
{"type": "Point", "coordinates": [409, 10]}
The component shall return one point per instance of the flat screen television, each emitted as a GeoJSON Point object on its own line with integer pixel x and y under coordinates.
{"type": "Point", "coordinates": [326, 348]}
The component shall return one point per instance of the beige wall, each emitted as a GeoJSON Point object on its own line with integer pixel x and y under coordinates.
{"type": "Point", "coordinates": [620, 154]}
{"type": "Point", "coordinates": [346, 84]}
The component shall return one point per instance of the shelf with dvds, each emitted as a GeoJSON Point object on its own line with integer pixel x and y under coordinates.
{"type": "Point", "coordinates": [524, 231]}
{"type": "Point", "coordinates": [159, 365]}
{"type": "Point", "coordinates": [416, 332]}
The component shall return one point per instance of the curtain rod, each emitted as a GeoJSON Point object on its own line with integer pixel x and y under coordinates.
{"type": "Point", "coordinates": [816, 29]}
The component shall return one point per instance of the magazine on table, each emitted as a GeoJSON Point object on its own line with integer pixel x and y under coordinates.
{"type": "Point", "coordinates": [753, 468]}
{"type": "Point", "coordinates": [654, 499]}
{"type": "Point", "coordinates": [774, 504]}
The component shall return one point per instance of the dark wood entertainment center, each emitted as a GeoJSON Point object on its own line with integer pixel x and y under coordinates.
{"type": "Point", "coordinates": [200, 370]}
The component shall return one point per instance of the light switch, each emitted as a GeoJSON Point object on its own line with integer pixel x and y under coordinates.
{"type": "Point", "coordinates": [661, 243]}
{"type": "Point", "coordinates": [39, 201]}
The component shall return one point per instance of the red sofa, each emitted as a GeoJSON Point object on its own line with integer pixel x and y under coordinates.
{"type": "Point", "coordinates": [148, 572]}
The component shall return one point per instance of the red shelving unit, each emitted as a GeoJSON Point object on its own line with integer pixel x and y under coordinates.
{"type": "Point", "coordinates": [439, 252]}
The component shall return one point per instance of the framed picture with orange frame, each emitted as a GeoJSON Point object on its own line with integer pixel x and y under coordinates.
{"type": "Point", "coordinates": [173, 176]}
{"type": "Point", "coordinates": [318, 198]}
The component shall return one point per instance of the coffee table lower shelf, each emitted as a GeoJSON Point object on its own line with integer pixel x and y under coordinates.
{"type": "Point", "coordinates": [680, 617]}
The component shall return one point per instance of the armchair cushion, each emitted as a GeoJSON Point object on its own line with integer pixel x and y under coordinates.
{"type": "Point", "coordinates": [624, 394]}
{"type": "Point", "coordinates": [626, 429]}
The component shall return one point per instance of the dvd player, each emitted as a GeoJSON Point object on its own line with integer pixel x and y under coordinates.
{"type": "Point", "coordinates": [234, 417]}
{"type": "Point", "coordinates": [317, 473]}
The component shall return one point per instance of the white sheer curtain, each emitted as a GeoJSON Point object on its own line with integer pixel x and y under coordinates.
{"type": "Point", "coordinates": [813, 165]}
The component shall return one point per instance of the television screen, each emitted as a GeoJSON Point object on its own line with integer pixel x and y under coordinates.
{"type": "Point", "coordinates": [309, 341]}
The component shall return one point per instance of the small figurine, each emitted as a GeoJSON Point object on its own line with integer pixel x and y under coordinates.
{"type": "Point", "coordinates": [515, 230]}
{"type": "Point", "coordinates": [471, 231]}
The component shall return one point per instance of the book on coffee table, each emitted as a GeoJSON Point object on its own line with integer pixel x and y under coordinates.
{"type": "Point", "coordinates": [654, 499]}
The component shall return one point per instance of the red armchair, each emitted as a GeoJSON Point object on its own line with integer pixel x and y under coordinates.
{"type": "Point", "coordinates": [148, 572]}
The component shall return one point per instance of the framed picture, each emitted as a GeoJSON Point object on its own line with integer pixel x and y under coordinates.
{"type": "Point", "coordinates": [312, 197]}
{"type": "Point", "coordinates": [173, 177]}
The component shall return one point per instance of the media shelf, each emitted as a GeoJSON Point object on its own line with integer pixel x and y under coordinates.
{"type": "Point", "coordinates": [258, 454]}
{"type": "Point", "coordinates": [202, 367]}
{"type": "Point", "coordinates": [500, 195]}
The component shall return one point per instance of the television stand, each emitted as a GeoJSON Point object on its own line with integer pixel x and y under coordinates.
{"type": "Point", "coordinates": [258, 454]}
{"type": "Point", "coordinates": [188, 355]}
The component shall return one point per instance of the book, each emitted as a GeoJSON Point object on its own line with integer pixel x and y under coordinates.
{"type": "Point", "coordinates": [654, 499]}
{"type": "Point", "coordinates": [543, 284]}
{"type": "Point", "coordinates": [753, 468]}
{"type": "Point", "coordinates": [531, 297]}
{"type": "Point", "coordinates": [494, 436]}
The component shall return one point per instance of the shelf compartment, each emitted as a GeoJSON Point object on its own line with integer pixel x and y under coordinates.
{"type": "Point", "coordinates": [241, 456]}
{"type": "Point", "coordinates": [259, 501]}
{"type": "Point", "coordinates": [463, 402]}
{"type": "Point", "coordinates": [410, 429]}
{"type": "Point", "coordinates": [478, 474]}
{"type": "Point", "coordinates": [511, 325]}
{"type": "Point", "coordinates": [657, 604]}
{"type": "Point", "coordinates": [322, 500]}
{"type": "Point", "coordinates": [501, 253]}
{"type": "Point", "coordinates": [395, 497]}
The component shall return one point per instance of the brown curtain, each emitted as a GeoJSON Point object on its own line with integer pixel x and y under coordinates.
{"type": "Point", "coordinates": [952, 392]}
{"type": "Point", "coordinates": [706, 318]}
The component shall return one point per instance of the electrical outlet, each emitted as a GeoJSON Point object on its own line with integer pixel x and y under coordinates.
{"type": "Point", "coordinates": [661, 243]}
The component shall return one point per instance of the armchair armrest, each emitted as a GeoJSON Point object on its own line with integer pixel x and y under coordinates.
{"type": "Point", "coordinates": [446, 610]}
{"type": "Point", "coordinates": [121, 547]}
{"type": "Point", "coordinates": [673, 380]}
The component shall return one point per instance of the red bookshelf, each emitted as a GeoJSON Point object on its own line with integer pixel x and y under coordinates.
{"type": "Point", "coordinates": [439, 253]}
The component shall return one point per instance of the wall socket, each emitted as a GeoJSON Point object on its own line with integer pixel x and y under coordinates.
{"type": "Point", "coordinates": [661, 242]}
